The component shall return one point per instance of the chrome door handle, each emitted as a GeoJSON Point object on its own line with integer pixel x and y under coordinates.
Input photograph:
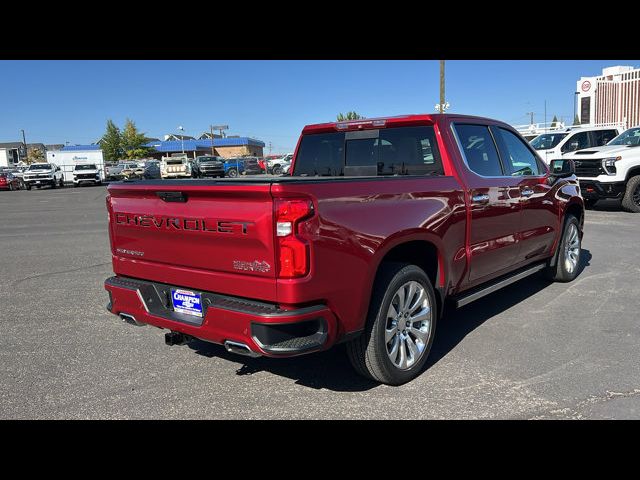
{"type": "Point", "coordinates": [482, 198]}
{"type": "Point", "coordinates": [526, 193]}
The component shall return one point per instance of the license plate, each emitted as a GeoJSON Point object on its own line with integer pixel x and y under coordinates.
{"type": "Point", "coordinates": [186, 301]}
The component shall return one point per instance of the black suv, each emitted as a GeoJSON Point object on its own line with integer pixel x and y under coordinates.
{"type": "Point", "coordinates": [207, 166]}
{"type": "Point", "coordinates": [251, 165]}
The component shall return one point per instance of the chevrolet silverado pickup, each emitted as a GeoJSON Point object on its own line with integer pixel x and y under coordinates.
{"type": "Point", "coordinates": [611, 171]}
{"type": "Point", "coordinates": [380, 222]}
{"type": "Point", "coordinates": [40, 174]}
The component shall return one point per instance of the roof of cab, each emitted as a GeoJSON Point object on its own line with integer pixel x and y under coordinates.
{"type": "Point", "coordinates": [395, 121]}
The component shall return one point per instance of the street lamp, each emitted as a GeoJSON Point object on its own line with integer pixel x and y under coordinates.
{"type": "Point", "coordinates": [182, 137]}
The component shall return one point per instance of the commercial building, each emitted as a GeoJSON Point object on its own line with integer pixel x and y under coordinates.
{"type": "Point", "coordinates": [610, 98]}
{"type": "Point", "coordinates": [11, 153]}
{"type": "Point", "coordinates": [229, 147]}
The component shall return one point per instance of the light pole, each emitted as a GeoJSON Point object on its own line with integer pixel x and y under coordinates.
{"type": "Point", "coordinates": [182, 137]}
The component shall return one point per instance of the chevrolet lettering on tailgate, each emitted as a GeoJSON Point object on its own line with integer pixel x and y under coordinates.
{"type": "Point", "coordinates": [178, 223]}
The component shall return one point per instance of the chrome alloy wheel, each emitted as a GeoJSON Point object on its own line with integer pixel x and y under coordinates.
{"type": "Point", "coordinates": [408, 325]}
{"type": "Point", "coordinates": [572, 249]}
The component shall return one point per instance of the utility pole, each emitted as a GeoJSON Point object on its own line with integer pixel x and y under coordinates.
{"type": "Point", "coordinates": [24, 140]}
{"type": "Point", "coordinates": [443, 105]}
{"type": "Point", "coordinates": [269, 148]}
{"type": "Point", "coordinates": [441, 82]}
{"type": "Point", "coordinates": [530, 113]}
{"type": "Point", "coordinates": [212, 152]}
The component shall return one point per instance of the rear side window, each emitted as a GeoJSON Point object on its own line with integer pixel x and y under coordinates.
{"type": "Point", "coordinates": [391, 151]}
{"type": "Point", "coordinates": [321, 155]}
{"type": "Point", "coordinates": [409, 151]}
{"type": "Point", "coordinates": [479, 150]}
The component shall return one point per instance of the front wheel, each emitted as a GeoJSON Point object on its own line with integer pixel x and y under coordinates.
{"type": "Point", "coordinates": [631, 199]}
{"type": "Point", "coordinates": [61, 184]}
{"type": "Point", "coordinates": [277, 170]}
{"type": "Point", "coordinates": [400, 326]}
{"type": "Point", "coordinates": [232, 172]}
{"type": "Point", "coordinates": [27, 186]}
{"type": "Point", "coordinates": [569, 250]}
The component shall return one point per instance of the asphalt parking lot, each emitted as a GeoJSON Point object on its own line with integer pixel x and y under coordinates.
{"type": "Point", "coordinates": [534, 350]}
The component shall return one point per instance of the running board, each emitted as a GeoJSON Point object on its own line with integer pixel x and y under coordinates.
{"type": "Point", "coordinates": [475, 294]}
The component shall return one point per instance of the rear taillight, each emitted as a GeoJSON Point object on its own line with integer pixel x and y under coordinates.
{"type": "Point", "coordinates": [293, 252]}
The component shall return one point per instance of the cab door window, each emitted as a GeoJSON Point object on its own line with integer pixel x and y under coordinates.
{"type": "Point", "coordinates": [575, 142]}
{"type": "Point", "coordinates": [602, 137]}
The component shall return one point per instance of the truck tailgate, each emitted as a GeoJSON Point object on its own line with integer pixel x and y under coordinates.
{"type": "Point", "coordinates": [195, 233]}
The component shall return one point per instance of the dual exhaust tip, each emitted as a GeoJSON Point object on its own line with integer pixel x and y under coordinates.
{"type": "Point", "coordinates": [239, 348]}
{"type": "Point", "coordinates": [177, 338]}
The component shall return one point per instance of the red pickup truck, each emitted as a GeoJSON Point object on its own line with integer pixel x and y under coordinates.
{"type": "Point", "coordinates": [380, 222]}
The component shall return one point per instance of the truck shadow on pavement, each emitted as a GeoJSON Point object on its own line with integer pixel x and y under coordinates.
{"type": "Point", "coordinates": [331, 369]}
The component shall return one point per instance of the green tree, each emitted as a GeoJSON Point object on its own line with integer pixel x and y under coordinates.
{"type": "Point", "coordinates": [554, 122]}
{"type": "Point", "coordinates": [132, 141]}
{"type": "Point", "coordinates": [34, 155]}
{"type": "Point", "coordinates": [349, 116]}
{"type": "Point", "coordinates": [111, 142]}
{"type": "Point", "coordinates": [136, 153]}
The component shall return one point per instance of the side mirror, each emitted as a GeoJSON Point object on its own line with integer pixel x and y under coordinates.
{"type": "Point", "coordinates": [561, 168]}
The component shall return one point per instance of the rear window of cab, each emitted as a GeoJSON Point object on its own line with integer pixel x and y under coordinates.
{"type": "Point", "coordinates": [389, 151]}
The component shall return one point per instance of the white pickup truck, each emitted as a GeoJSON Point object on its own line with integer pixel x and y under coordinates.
{"type": "Point", "coordinates": [40, 174]}
{"type": "Point", "coordinates": [558, 143]}
{"type": "Point", "coordinates": [86, 173]}
{"type": "Point", "coordinates": [175, 167]}
{"type": "Point", "coordinates": [611, 171]}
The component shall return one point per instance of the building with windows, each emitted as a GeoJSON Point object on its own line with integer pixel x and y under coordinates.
{"type": "Point", "coordinates": [610, 98]}
{"type": "Point", "coordinates": [11, 153]}
{"type": "Point", "coordinates": [223, 147]}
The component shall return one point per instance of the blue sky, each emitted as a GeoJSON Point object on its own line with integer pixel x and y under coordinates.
{"type": "Point", "coordinates": [70, 101]}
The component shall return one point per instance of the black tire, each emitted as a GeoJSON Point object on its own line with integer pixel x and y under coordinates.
{"type": "Point", "coordinates": [368, 352]}
{"type": "Point", "coordinates": [590, 203]}
{"type": "Point", "coordinates": [232, 173]}
{"type": "Point", "coordinates": [10, 186]}
{"type": "Point", "coordinates": [27, 186]}
{"type": "Point", "coordinates": [53, 184]}
{"type": "Point", "coordinates": [631, 199]}
{"type": "Point", "coordinates": [61, 185]}
{"type": "Point", "coordinates": [560, 272]}
{"type": "Point", "coordinates": [277, 169]}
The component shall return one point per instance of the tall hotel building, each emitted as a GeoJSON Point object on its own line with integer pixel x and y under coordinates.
{"type": "Point", "coordinates": [611, 98]}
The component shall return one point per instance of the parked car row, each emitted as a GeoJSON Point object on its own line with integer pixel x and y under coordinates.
{"type": "Point", "coordinates": [9, 180]}
{"type": "Point", "coordinates": [43, 174]}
